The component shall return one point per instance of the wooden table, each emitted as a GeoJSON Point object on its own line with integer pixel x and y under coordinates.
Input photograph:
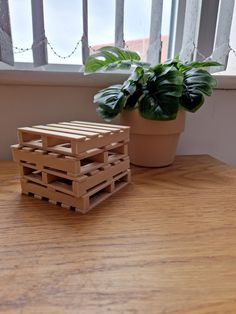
{"type": "Point", "coordinates": [165, 244]}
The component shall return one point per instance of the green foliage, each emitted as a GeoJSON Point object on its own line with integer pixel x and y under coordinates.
{"type": "Point", "coordinates": [196, 64]}
{"type": "Point", "coordinates": [158, 92]}
{"type": "Point", "coordinates": [163, 89]}
{"type": "Point", "coordinates": [112, 58]}
{"type": "Point", "coordinates": [196, 84]}
{"type": "Point", "coordinates": [110, 102]}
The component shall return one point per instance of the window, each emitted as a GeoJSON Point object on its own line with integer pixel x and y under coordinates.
{"type": "Point", "coordinates": [66, 32]}
{"type": "Point", "coordinates": [231, 67]}
{"type": "Point", "coordinates": [101, 26]}
{"type": "Point", "coordinates": [21, 27]}
{"type": "Point", "coordinates": [63, 29]}
{"type": "Point", "coordinates": [137, 26]}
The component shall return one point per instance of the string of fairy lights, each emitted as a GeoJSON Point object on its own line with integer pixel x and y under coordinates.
{"type": "Point", "coordinates": [19, 50]}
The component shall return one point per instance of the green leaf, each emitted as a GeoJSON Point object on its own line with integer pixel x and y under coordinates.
{"type": "Point", "coordinates": [121, 53]}
{"type": "Point", "coordinates": [190, 65]}
{"type": "Point", "coordinates": [125, 65]}
{"type": "Point", "coordinates": [196, 84]}
{"type": "Point", "coordinates": [157, 91]}
{"type": "Point", "coordinates": [161, 93]}
{"type": "Point", "coordinates": [166, 80]}
{"type": "Point", "coordinates": [183, 67]}
{"type": "Point", "coordinates": [105, 113]}
{"type": "Point", "coordinates": [202, 64]}
{"type": "Point", "coordinates": [109, 58]}
{"type": "Point", "coordinates": [131, 85]}
{"type": "Point", "coordinates": [132, 100]}
{"type": "Point", "coordinates": [110, 101]}
{"type": "Point", "coordinates": [153, 108]}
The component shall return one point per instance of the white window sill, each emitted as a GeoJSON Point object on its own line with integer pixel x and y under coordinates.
{"type": "Point", "coordinates": [56, 75]}
{"type": "Point", "coordinates": [225, 80]}
{"type": "Point", "coordinates": [72, 75]}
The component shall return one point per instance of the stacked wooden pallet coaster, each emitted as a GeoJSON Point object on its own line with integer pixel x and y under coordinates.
{"type": "Point", "coordinates": [74, 164]}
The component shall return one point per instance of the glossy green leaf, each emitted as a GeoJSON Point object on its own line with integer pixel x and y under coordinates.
{"type": "Point", "coordinates": [153, 108]}
{"type": "Point", "coordinates": [202, 64]}
{"type": "Point", "coordinates": [157, 91]}
{"type": "Point", "coordinates": [109, 58]}
{"type": "Point", "coordinates": [132, 100]}
{"type": "Point", "coordinates": [196, 84]}
{"type": "Point", "coordinates": [110, 101]}
{"type": "Point", "coordinates": [183, 67]}
{"type": "Point", "coordinates": [131, 85]}
{"type": "Point", "coordinates": [121, 53]}
{"type": "Point", "coordinates": [161, 97]}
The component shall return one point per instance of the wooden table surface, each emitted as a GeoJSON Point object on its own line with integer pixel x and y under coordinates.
{"type": "Point", "coordinates": [165, 244]}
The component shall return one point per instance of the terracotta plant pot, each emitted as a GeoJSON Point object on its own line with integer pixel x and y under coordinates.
{"type": "Point", "coordinates": [152, 143]}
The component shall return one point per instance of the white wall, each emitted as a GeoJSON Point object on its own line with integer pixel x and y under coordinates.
{"type": "Point", "coordinates": [33, 105]}
{"type": "Point", "coordinates": [212, 130]}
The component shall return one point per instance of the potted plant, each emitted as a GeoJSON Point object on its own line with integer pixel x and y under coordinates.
{"type": "Point", "coordinates": [152, 101]}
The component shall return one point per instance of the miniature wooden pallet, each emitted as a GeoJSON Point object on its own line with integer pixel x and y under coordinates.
{"type": "Point", "coordinates": [76, 164]}
{"type": "Point", "coordinates": [75, 186]}
{"type": "Point", "coordinates": [72, 166]}
{"type": "Point", "coordinates": [82, 204]}
{"type": "Point", "coordinates": [72, 138]}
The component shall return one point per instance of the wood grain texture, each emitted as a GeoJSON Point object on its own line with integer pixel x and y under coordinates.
{"type": "Point", "coordinates": [164, 244]}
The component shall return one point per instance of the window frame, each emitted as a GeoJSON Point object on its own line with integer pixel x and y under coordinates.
{"type": "Point", "coordinates": [175, 38]}
{"type": "Point", "coordinates": [73, 75]}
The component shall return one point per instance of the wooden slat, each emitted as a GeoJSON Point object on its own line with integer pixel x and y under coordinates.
{"type": "Point", "coordinates": [67, 141]}
{"type": "Point", "coordinates": [76, 186]}
{"type": "Point", "coordinates": [102, 141]}
{"type": "Point", "coordinates": [119, 24]}
{"type": "Point", "coordinates": [110, 126]}
{"type": "Point", "coordinates": [65, 164]}
{"type": "Point", "coordinates": [99, 129]}
{"type": "Point", "coordinates": [104, 128]}
{"type": "Point", "coordinates": [39, 47]}
{"type": "Point", "coordinates": [44, 191]}
{"type": "Point", "coordinates": [65, 130]}
{"type": "Point", "coordinates": [51, 133]}
{"type": "Point", "coordinates": [154, 50]}
{"type": "Point", "coordinates": [85, 47]}
{"type": "Point", "coordinates": [190, 33]}
{"type": "Point", "coordinates": [6, 48]}
{"type": "Point", "coordinates": [82, 204]}
{"type": "Point", "coordinates": [223, 27]}
{"type": "Point", "coordinates": [74, 126]}
{"type": "Point", "coordinates": [92, 127]}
